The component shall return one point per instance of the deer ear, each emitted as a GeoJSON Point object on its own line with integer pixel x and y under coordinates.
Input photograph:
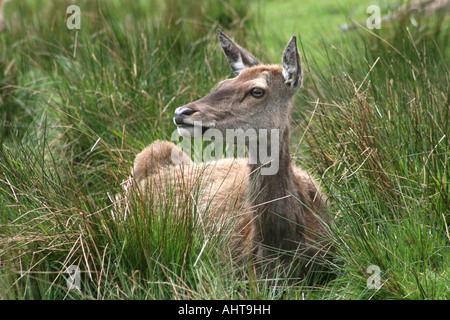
{"type": "Point", "coordinates": [238, 58]}
{"type": "Point", "coordinates": [292, 68]}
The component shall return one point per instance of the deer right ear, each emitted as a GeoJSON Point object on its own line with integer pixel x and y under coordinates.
{"type": "Point", "coordinates": [292, 68]}
{"type": "Point", "coordinates": [238, 58]}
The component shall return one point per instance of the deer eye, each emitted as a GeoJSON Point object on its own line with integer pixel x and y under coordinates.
{"type": "Point", "coordinates": [257, 92]}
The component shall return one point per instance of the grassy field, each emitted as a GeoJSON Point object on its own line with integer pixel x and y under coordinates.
{"type": "Point", "coordinates": [76, 106]}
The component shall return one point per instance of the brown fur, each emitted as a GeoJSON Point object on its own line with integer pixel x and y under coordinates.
{"type": "Point", "coordinates": [226, 198]}
{"type": "Point", "coordinates": [275, 215]}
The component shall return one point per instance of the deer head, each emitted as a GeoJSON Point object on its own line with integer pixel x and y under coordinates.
{"type": "Point", "coordinates": [259, 97]}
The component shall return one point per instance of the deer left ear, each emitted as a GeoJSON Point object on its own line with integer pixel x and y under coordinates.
{"type": "Point", "coordinates": [292, 68]}
{"type": "Point", "coordinates": [238, 58]}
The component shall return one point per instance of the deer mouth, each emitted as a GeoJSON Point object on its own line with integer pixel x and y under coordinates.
{"type": "Point", "coordinates": [191, 130]}
{"type": "Point", "coordinates": [187, 126]}
{"type": "Point", "coordinates": [187, 123]}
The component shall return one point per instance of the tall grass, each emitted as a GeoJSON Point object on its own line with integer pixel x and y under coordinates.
{"type": "Point", "coordinates": [88, 112]}
{"type": "Point", "coordinates": [378, 134]}
{"type": "Point", "coordinates": [374, 126]}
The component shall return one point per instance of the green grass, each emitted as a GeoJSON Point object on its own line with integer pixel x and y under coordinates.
{"type": "Point", "coordinates": [313, 22]}
{"type": "Point", "coordinates": [372, 121]}
{"type": "Point", "coordinates": [379, 139]}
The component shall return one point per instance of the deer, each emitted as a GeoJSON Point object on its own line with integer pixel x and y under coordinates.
{"type": "Point", "coordinates": [281, 217]}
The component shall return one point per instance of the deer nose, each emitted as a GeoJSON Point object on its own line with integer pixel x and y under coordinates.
{"type": "Point", "coordinates": [182, 113]}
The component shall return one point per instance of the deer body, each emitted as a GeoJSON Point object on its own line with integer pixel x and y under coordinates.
{"type": "Point", "coordinates": [277, 214]}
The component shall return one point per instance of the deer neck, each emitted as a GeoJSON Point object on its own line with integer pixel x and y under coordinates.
{"type": "Point", "coordinates": [270, 160]}
{"type": "Point", "coordinates": [276, 197]}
